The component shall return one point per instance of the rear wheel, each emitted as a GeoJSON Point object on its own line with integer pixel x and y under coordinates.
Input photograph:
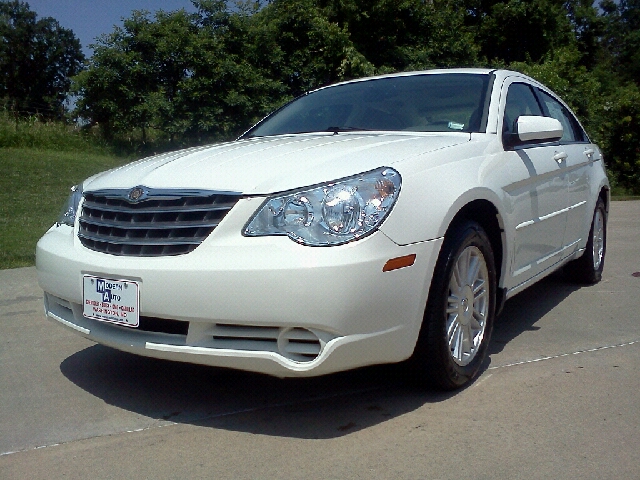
{"type": "Point", "coordinates": [460, 310]}
{"type": "Point", "coordinates": [588, 268]}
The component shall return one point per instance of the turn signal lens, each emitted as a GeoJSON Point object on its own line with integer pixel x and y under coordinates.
{"type": "Point", "coordinates": [400, 262]}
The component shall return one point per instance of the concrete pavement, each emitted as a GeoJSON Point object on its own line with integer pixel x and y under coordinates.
{"type": "Point", "coordinates": [558, 399]}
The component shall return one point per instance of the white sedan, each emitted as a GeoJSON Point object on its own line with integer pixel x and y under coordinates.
{"type": "Point", "coordinates": [372, 221]}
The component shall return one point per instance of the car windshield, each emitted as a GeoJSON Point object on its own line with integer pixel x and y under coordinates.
{"type": "Point", "coordinates": [415, 103]}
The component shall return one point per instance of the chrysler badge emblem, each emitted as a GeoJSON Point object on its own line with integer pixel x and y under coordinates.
{"type": "Point", "coordinates": [136, 194]}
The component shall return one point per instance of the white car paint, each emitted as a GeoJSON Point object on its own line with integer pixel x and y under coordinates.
{"type": "Point", "coordinates": [256, 166]}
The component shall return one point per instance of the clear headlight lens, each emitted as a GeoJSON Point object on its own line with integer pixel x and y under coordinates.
{"type": "Point", "coordinates": [330, 214]}
{"type": "Point", "coordinates": [68, 213]}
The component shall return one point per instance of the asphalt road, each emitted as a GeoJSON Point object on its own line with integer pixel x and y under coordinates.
{"type": "Point", "coordinates": [559, 399]}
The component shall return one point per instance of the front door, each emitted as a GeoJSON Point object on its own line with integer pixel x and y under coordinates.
{"type": "Point", "coordinates": [537, 195]}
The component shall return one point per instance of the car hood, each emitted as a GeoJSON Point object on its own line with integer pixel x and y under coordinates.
{"type": "Point", "coordinates": [273, 164]}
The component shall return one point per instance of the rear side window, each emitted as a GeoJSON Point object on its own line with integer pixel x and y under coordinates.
{"type": "Point", "coordinates": [520, 101]}
{"type": "Point", "coordinates": [572, 130]}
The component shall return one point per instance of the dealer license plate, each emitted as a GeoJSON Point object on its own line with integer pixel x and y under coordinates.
{"type": "Point", "coordinates": [114, 301]}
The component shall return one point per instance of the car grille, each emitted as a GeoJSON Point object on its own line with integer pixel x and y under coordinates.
{"type": "Point", "coordinates": [158, 223]}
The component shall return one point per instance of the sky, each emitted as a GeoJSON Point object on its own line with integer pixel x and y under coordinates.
{"type": "Point", "coordinates": [90, 18]}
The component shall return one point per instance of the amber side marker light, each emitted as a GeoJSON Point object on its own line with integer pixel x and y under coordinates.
{"type": "Point", "coordinates": [400, 262]}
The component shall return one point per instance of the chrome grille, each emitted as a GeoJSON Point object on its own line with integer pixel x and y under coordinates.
{"type": "Point", "coordinates": [158, 223]}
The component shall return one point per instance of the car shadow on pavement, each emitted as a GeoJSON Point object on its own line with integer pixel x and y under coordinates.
{"type": "Point", "coordinates": [321, 407]}
{"type": "Point", "coordinates": [522, 312]}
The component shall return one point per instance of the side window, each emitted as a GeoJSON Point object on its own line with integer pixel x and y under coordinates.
{"type": "Point", "coordinates": [520, 101]}
{"type": "Point", "coordinates": [571, 127]}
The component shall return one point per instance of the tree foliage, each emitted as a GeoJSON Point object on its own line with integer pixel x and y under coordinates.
{"type": "Point", "coordinates": [183, 75]}
{"type": "Point", "coordinates": [405, 34]}
{"type": "Point", "coordinates": [37, 59]}
{"type": "Point", "coordinates": [167, 79]}
{"type": "Point", "coordinates": [621, 37]}
{"type": "Point", "coordinates": [518, 30]}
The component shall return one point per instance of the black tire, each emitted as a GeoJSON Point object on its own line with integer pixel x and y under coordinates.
{"type": "Point", "coordinates": [588, 268]}
{"type": "Point", "coordinates": [439, 360]}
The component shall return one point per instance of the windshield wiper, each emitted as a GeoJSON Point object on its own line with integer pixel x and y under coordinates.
{"type": "Point", "coordinates": [334, 130]}
{"type": "Point", "coordinates": [337, 130]}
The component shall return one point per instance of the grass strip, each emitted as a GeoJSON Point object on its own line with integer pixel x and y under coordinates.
{"type": "Point", "coordinates": [34, 183]}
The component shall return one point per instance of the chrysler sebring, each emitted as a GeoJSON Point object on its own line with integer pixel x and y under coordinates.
{"type": "Point", "coordinates": [373, 221]}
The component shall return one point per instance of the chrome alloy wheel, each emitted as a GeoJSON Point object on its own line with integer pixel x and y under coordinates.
{"type": "Point", "coordinates": [598, 239]}
{"type": "Point", "coordinates": [468, 305]}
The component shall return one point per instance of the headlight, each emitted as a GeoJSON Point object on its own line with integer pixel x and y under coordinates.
{"type": "Point", "coordinates": [68, 214]}
{"type": "Point", "coordinates": [330, 214]}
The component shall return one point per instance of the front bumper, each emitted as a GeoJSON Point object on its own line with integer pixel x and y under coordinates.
{"type": "Point", "coordinates": [263, 304]}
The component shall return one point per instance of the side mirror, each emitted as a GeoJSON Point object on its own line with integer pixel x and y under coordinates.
{"type": "Point", "coordinates": [534, 129]}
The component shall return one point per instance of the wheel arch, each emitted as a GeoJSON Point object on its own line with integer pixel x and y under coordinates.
{"type": "Point", "coordinates": [487, 215]}
{"type": "Point", "coordinates": [605, 195]}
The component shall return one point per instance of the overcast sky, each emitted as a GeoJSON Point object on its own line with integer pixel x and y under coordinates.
{"type": "Point", "coordinates": [90, 18]}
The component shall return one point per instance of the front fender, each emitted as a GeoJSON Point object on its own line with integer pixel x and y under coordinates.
{"type": "Point", "coordinates": [431, 198]}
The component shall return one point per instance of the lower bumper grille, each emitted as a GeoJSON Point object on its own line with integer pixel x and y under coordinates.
{"type": "Point", "coordinates": [163, 325]}
{"type": "Point", "coordinates": [297, 344]}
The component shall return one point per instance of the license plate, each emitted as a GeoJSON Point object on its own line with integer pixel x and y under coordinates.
{"type": "Point", "coordinates": [114, 301]}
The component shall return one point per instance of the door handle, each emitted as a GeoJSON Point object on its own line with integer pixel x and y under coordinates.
{"type": "Point", "coordinates": [589, 152]}
{"type": "Point", "coordinates": [559, 157]}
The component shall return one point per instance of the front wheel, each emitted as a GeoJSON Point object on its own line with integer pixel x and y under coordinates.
{"type": "Point", "coordinates": [460, 310]}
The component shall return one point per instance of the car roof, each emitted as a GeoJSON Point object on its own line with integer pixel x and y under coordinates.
{"type": "Point", "coordinates": [501, 73]}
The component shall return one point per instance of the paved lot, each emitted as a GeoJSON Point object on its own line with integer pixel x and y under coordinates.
{"type": "Point", "coordinates": [559, 399]}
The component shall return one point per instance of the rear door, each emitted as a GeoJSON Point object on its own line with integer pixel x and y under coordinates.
{"type": "Point", "coordinates": [579, 156]}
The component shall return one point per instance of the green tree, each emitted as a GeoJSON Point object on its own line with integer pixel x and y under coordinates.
{"type": "Point", "coordinates": [37, 60]}
{"type": "Point", "coordinates": [587, 26]}
{"type": "Point", "coordinates": [180, 75]}
{"type": "Point", "coordinates": [619, 71]}
{"type": "Point", "coordinates": [396, 35]}
{"type": "Point", "coordinates": [135, 75]}
{"type": "Point", "coordinates": [298, 46]}
{"type": "Point", "coordinates": [518, 30]}
{"type": "Point", "coordinates": [618, 122]}
{"type": "Point", "coordinates": [229, 88]}
{"type": "Point", "coordinates": [622, 37]}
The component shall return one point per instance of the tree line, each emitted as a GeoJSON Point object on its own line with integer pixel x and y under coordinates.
{"type": "Point", "coordinates": [171, 79]}
{"type": "Point", "coordinates": [38, 59]}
